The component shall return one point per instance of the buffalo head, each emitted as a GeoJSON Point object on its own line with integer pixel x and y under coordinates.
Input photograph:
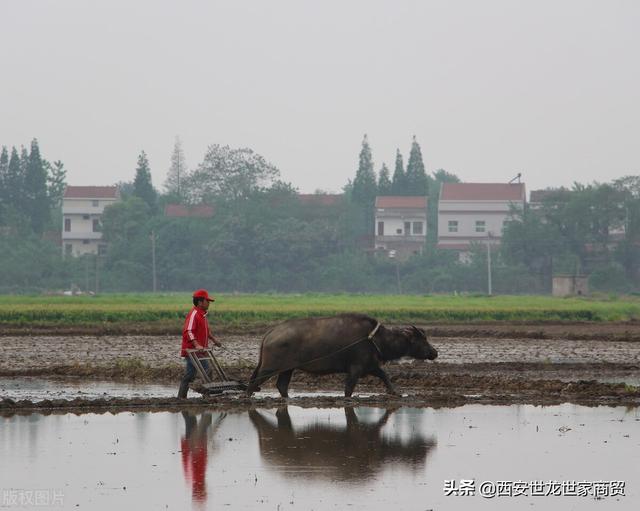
{"type": "Point", "coordinates": [419, 346]}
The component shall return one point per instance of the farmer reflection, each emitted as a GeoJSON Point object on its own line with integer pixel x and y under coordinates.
{"type": "Point", "coordinates": [194, 445]}
{"type": "Point", "coordinates": [356, 451]}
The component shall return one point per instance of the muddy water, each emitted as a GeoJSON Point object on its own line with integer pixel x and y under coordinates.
{"type": "Point", "coordinates": [38, 389]}
{"type": "Point", "coordinates": [295, 458]}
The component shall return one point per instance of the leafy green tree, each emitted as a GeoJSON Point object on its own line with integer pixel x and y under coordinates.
{"type": "Point", "coordinates": [230, 175]}
{"type": "Point", "coordinates": [126, 229]}
{"type": "Point", "coordinates": [585, 216]}
{"type": "Point", "coordinates": [125, 221]}
{"type": "Point", "coordinates": [531, 240]}
{"type": "Point", "coordinates": [417, 182]}
{"type": "Point", "coordinates": [29, 264]}
{"type": "Point", "coordinates": [399, 183]}
{"type": "Point", "coordinates": [142, 185]}
{"type": "Point", "coordinates": [37, 200]}
{"type": "Point", "coordinates": [384, 181]}
{"type": "Point", "coordinates": [628, 249]}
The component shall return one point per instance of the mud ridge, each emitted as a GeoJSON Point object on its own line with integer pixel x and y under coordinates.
{"type": "Point", "coordinates": [10, 407]}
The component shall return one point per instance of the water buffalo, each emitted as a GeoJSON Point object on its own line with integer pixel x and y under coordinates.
{"type": "Point", "coordinates": [337, 344]}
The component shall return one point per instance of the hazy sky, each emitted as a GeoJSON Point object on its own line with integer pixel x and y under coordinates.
{"type": "Point", "coordinates": [550, 88]}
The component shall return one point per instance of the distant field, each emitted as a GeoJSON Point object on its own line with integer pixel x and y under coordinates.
{"type": "Point", "coordinates": [247, 309]}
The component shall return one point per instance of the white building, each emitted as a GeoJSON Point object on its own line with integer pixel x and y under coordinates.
{"type": "Point", "coordinates": [476, 212]}
{"type": "Point", "coordinates": [82, 208]}
{"type": "Point", "coordinates": [401, 225]}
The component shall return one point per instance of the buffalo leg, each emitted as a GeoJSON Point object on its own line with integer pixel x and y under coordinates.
{"type": "Point", "coordinates": [352, 379]}
{"type": "Point", "coordinates": [283, 382]}
{"type": "Point", "coordinates": [379, 372]}
{"type": "Point", "coordinates": [257, 379]}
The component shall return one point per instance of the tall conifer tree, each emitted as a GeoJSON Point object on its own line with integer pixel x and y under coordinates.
{"type": "Point", "coordinates": [15, 181]}
{"type": "Point", "coordinates": [142, 185]}
{"type": "Point", "coordinates": [384, 181]}
{"type": "Point", "coordinates": [417, 181]}
{"type": "Point", "coordinates": [4, 190]}
{"type": "Point", "coordinates": [176, 177]}
{"type": "Point", "coordinates": [35, 188]}
{"type": "Point", "coordinates": [364, 184]}
{"type": "Point", "coordinates": [365, 187]}
{"type": "Point", "coordinates": [4, 171]}
{"type": "Point", "coordinates": [399, 183]}
{"type": "Point", "coordinates": [57, 182]}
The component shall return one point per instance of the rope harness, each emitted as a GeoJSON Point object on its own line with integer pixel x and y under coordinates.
{"type": "Point", "coordinates": [368, 337]}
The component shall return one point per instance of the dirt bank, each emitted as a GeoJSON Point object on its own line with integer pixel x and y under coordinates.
{"type": "Point", "coordinates": [623, 331]}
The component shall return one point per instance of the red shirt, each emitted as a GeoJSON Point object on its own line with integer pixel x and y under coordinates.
{"type": "Point", "coordinates": [196, 327]}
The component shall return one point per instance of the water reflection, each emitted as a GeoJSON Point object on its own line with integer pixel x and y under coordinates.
{"type": "Point", "coordinates": [357, 450]}
{"type": "Point", "coordinates": [195, 449]}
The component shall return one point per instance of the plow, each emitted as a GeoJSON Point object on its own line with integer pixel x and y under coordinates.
{"type": "Point", "coordinates": [214, 379]}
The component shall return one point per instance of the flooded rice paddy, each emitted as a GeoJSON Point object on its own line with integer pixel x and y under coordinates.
{"type": "Point", "coordinates": [319, 458]}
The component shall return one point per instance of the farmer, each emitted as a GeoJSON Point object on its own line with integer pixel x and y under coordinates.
{"type": "Point", "coordinates": [196, 335]}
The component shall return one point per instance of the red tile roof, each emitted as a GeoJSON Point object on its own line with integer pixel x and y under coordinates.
{"type": "Point", "coordinates": [91, 192]}
{"type": "Point", "coordinates": [399, 201]}
{"type": "Point", "coordinates": [482, 191]}
{"type": "Point", "coordinates": [180, 211]}
{"type": "Point", "coordinates": [319, 199]}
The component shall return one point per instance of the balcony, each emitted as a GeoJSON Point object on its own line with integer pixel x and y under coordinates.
{"type": "Point", "coordinates": [82, 210]}
{"type": "Point", "coordinates": [81, 235]}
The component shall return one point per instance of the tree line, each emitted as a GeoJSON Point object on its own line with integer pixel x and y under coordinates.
{"type": "Point", "coordinates": [262, 238]}
{"type": "Point", "coordinates": [31, 189]}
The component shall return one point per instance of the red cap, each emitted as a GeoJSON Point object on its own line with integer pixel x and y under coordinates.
{"type": "Point", "coordinates": [202, 293]}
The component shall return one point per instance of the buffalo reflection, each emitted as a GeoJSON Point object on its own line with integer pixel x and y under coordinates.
{"type": "Point", "coordinates": [195, 447]}
{"type": "Point", "coordinates": [356, 451]}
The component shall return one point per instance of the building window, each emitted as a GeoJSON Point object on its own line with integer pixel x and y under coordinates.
{"type": "Point", "coordinates": [68, 249]}
{"type": "Point", "coordinates": [85, 217]}
{"type": "Point", "coordinates": [453, 226]}
{"type": "Point", "coordinates": [85, 242]}
{"type": "Point", "coordinates": [407, 228]}
{"type": "Point", "coordinates": [481, 226]}
{"type": "Point", "coordinates": [380, 228]}
{"type": "Point", "coordinates": [398, 231]}
{"type": "Point", "coordinates": [95, 203]}
{"type": "Point", "coordinates": [67, 225]}
{"type": "Point", "coordinates": [96, 225]}
{"type": "Point", "coordinates": [417, 227]}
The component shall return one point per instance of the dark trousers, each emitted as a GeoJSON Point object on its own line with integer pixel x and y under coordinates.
{"type": "Point", "coordinates": [190, 375]}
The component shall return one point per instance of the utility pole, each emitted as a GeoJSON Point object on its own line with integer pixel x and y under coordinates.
{"type": "Point", "coordinates": [97, 276]}
{"type": "Point", "coordinates": [153, 260]}
{"type": "Point", "coordinates": [86, 274]}
{"type": "Point", "coordinates": [489, 283]}
{"type": "Point", "coordinates": [393, 255]}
